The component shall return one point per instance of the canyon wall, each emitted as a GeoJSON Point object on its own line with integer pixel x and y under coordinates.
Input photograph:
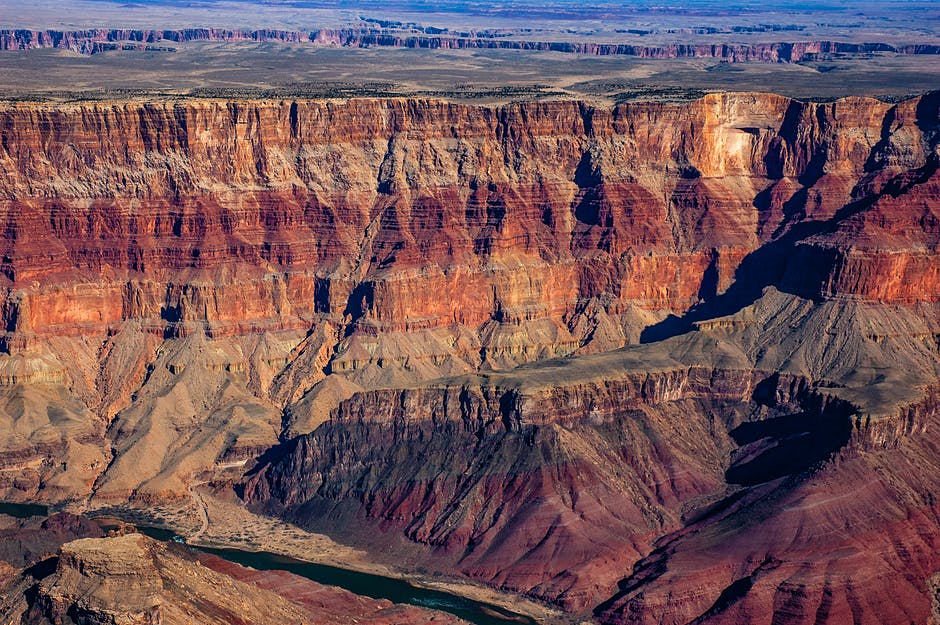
{"type": "Point", "coordinates": [94, 41]}
{"type": "Point", "coordinates": [266, 259]}
{"type": "Point", "coordinates": [239, 216]}
{"type": "Point", "coordinates": [608, 334]}
{"type": "Point", "coordinates": [557, 486]}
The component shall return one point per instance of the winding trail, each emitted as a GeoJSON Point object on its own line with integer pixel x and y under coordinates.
{"type": "Point", "coordinates": [203, 512]}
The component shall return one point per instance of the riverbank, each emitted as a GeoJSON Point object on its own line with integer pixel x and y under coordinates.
{"type": "Point", "coordinates": [210, 522]}
{"type": "Point", "coordinates": [233, 526]}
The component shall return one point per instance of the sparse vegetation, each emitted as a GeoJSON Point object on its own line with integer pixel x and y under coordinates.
{"type": "Point", "coordinates": [282, 71]}
{"type": "Point", "coordinates": [658, 94]}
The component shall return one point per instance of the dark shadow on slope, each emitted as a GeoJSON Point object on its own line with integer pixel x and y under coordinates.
{"type": "Point", "coordinates": [269, 458]}
{"type": "Point", "coordinates": [587, 208]}
{"type": "Point", "coordinates": [734, 592]}
{"type": "Point", "coordinates": [357, 305]}
{"type": "Point", "coordinates": [773, 448]}
{"type": "Point", "coordinates": [770, 265]}
{"type": "Point", "coordinates": [928, 118]}
{"type": "Point", "coordinates": [763, 267]}
{"type": "Point", "coordinates": [645, 571]}
{"type": "Point", "coordinates": [587, 175]}
{"type": "Point", "coordinates": [709, 287]}
{"type": "Point", "coordinates": [879, 152]}
{"type": "Point", "coordinates": [43, 568]}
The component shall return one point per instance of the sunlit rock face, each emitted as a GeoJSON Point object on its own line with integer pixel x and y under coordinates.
{"type": "Point", "coordinates": [242, 217]}
{"type": "Point", "coordinates": [638, 361]}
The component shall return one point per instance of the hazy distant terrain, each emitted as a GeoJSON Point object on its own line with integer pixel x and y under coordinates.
{"type": "Point", "coordinates": [308, 69]}
{"type": "Point", "coordinates": [279, 70]}
{"type": "Point", "coordinates": [867, 20]}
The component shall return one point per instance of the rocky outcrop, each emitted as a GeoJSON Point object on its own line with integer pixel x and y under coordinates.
{"type": "Point", "coordinates": [104, 580]}
{"type": "Point", "coordinates": [564, 478]}
{"type": "Point", "coordinates": [102, 40]}
{"type": "Point", "coordinates": [131, 579]}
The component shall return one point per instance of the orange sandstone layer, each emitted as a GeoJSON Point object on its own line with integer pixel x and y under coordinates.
{"type": "Point", "coordinates": [408, 214]}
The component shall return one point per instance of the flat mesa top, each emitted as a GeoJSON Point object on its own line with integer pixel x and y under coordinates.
{"type": "Point", "coordinates": [481, 52]}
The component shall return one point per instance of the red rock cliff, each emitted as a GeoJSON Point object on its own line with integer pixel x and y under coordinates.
{"type": "Point", "coordinates": [244, 213]}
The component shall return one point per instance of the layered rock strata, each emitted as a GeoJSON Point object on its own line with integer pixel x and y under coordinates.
{"type": "Point", "coordinates": [603, 332]}
{"type": "Point", "coordinates": [241, 217]}
{"type": "Point", "coordinates": [563, 481]}
{"type": "Point", "coordinates": [573, 473]}
{"type": "Point", "coordinates": [94, 41]}
{"type": "Point", "coordinates": [234, 255]}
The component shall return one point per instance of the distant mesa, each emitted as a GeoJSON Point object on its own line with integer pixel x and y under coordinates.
{"type": "Point", "coordinates": [94, 41]}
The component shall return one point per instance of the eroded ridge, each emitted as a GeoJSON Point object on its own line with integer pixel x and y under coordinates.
{"type": "Point", "coordinates": [616, 338]}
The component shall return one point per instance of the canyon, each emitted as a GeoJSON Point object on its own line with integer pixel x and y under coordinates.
{"type": "Point", "coordinates": [649, 363]}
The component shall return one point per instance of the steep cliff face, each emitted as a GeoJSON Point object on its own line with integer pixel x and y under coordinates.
{"type": "Point", "coordinates": [557, 488]}
{"type": "Point", "coordinates": [542, 341]}
{"type": "Point", "coordinates": [240, 217]}
{"type": "Point", "coordinates": [247, 215]}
